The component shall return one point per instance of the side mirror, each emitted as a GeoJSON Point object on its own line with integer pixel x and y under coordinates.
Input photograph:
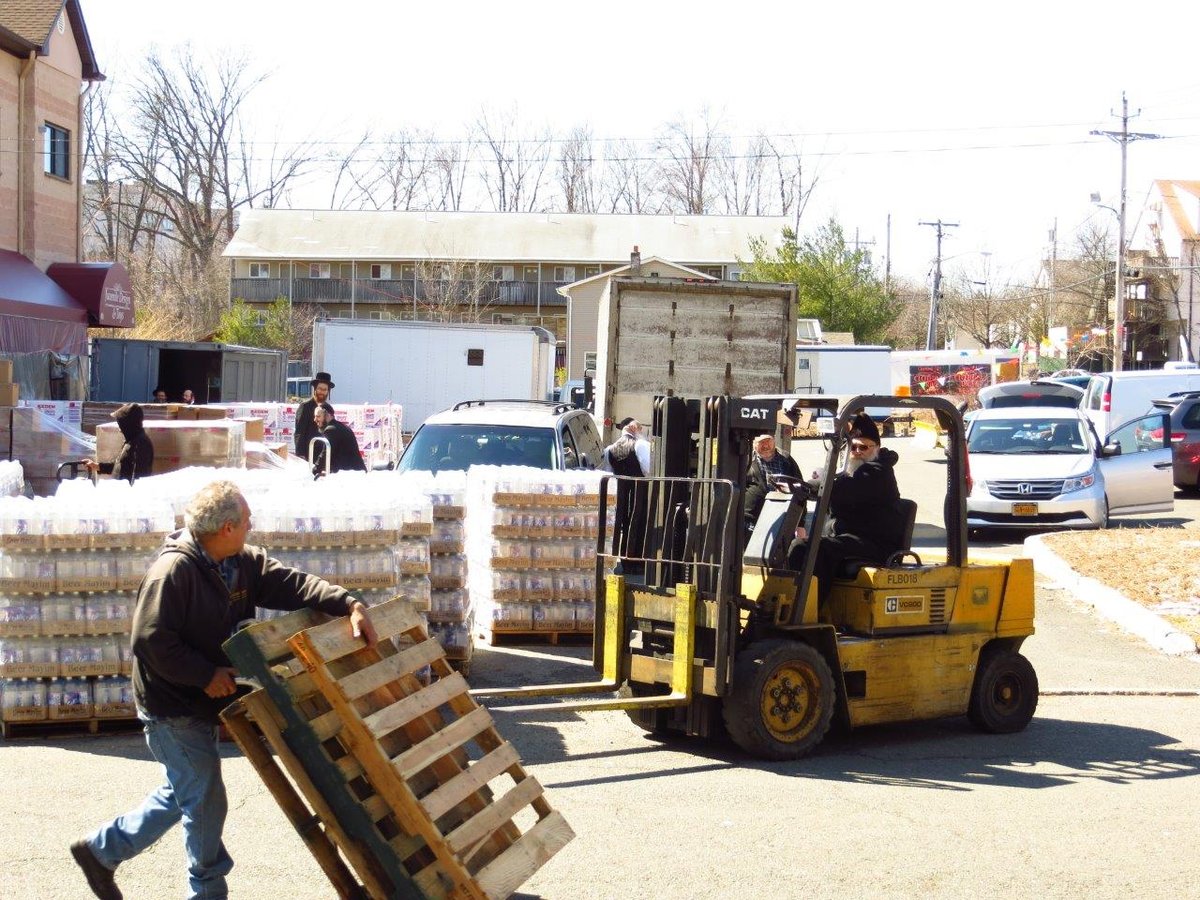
{"type": "Point", "coordinates": [1110, 449]}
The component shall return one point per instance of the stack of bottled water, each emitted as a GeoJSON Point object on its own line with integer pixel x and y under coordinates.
{"type": "Point", "coordinates": [12, 478]}
{"type": "Point", "coordinates": [531, 548]}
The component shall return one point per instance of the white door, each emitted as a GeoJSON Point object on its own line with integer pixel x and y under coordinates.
{"type": "Point", "coordinates": [1138, 479]}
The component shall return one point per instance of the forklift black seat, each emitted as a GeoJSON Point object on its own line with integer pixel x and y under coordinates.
{"type": "Point", "coordinates": [908, 508]}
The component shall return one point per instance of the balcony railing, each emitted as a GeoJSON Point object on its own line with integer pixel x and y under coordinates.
{"type": "Point", "coordinates": [396, 291]}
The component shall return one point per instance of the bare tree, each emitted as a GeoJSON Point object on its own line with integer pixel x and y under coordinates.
{"type": "Point", "coordinates": [628, 185]}
{"type": "Point", "coordinates": [991, 314]}
{"type": "Point", "coordinates": [450, 165]}
{"type": "Point", "coordinates": [577, 171]}
{"type": "Point", "coordinates": [516, 161]}
{"type": "Point", "coordinates": [188, 143]}
{"type": "Point", "coordinates": [395, 176]}
{"type": "Point", "coordinates": [689, 157]}
{"type": "Point", "coordinates": [454, 290]}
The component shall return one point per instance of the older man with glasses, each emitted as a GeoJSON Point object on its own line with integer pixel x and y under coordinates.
{"type": "Point", "coordinates": [865, 521]}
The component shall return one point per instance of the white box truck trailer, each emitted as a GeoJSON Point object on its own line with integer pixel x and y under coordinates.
{"type": "Point", "coordinates": [429, 366]}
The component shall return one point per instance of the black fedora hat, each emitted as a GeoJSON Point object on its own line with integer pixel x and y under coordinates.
{"type": "Point", "coordinates": [322, 378]}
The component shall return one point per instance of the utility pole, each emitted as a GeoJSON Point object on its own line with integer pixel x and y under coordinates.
{"type": "Point", "coordinates": [1122, 137]}
{"type": "Point", "coordinates": [936, 293]}
{"type": "Point", "coordinates": [887, 270]}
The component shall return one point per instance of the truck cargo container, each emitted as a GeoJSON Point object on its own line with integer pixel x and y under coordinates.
{"type": "Point", "coordinates": [429, 366]}
{"type": "Point", "coordinates": [130, 370]}
{"type": "Point", "coordinates": [678, 337]}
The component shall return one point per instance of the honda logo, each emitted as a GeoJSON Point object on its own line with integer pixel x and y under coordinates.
{"type": "Point", "coordinates": [1024, 488]}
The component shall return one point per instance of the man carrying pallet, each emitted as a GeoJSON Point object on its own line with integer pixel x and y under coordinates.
{"type": "Point", "coordinates": [203, 583]}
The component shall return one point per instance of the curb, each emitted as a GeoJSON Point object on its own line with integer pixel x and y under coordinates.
{"type": "Point", "coordinates": [1110, 603]}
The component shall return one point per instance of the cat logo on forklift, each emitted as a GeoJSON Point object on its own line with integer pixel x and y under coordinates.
{"type": "Point", "coordinates": [904, 605]}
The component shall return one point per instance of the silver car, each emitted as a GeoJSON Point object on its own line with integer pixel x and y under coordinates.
{"type": "Point", "coordinates": [1043, 467]}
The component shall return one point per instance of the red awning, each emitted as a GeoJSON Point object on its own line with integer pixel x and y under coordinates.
{"type": "Point", "coordinates": [25, 290]}
{"type": "Point", "coordinates": [102, 287]}
{"type": "Point", "coordinates": [35, 313]}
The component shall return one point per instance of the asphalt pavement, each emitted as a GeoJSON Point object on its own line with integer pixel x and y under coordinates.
{"type": "Point", "coordinates": [1096, 798]}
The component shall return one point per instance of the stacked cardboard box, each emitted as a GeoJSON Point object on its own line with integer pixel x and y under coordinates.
{"type": "Point", "coordinates": [8, 390]}
{"type": "Point", "coordinates": [42, 444]}
{"type": "Point", "coordinates": [217, 443]}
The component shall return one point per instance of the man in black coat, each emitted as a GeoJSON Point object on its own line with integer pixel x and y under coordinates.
{"type": "Point", "coordinates": [343, 445]}
{"type": "Point", "coordinates": [136, 459]}
{"type": "Point", "coordinates": [865, 520]}
{"type": "Point", "coordinates": [306, 427]}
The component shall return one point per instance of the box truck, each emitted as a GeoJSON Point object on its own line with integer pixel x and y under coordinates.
{"type": "Point", "coordinates": [678, 337]}
{"type": "Point", "coordinates": [429, 366]}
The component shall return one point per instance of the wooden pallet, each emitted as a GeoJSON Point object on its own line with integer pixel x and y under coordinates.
{"type": "Point", "coordinates": [44, 728]}
{"type": "Point", "coordinates": [394, 774]}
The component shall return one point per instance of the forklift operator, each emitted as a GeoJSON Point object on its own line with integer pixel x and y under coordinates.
{"type": "Point", "coordinates": [865, 521]}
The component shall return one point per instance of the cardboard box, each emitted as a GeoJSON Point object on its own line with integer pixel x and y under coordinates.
{"type": "Point", "coordinates": [6, 371]}
{"type": "Point", "coordinates": [8, 394]}
{"type": "Point", "coordinates": [177, 445]}
{"type": "Point", "coordinates": [254, 428]}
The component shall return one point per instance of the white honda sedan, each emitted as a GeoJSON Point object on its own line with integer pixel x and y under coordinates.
{"type": "Point", "coordinates": [1043, 467]}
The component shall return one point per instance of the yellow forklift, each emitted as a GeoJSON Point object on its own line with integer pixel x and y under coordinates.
{"type": "Point", "coordinates": [702, 629]}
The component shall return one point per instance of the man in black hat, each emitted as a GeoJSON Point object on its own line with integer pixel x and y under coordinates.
{"type": "Point", "coordinates": [865, 521]}
{"type": "Point", "coordinates": [306, 427]}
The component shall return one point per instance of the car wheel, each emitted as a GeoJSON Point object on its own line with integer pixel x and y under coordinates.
{"type": "Point", "coordinates": [1104, 518]}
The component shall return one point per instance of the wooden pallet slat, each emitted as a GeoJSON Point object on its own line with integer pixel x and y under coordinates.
{"type": "Point", "coordinates": [459, 788]}
{"type": "Point", "coordinates": [468, 835]}
{"type": "Point", "coordinates": [460, 731]}
{"type": "Point", "coordinates": [333, 640]}
{"type": "Point", "coordinates": [415, 705]}
{"type": "Point", "coordinates": [511, 869]}
{"type": "Point", "coordinates": [376, 675]}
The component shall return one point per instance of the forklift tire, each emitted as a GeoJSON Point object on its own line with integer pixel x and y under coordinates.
{"type": "Point", "coordinates": [1005, 693]}
{"type": "Point", "coordinates": [651, 721]}
{"type": "Point", "coordinates": [781, 701]}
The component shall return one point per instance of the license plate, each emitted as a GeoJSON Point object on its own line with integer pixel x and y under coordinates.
{"type": "Point", "coordinates": [1024, 509]}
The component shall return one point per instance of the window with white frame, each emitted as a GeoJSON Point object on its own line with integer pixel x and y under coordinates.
{"type": "Point", "coordinates": [589, 271]}
{"type": "Point", "coordinates": [381, 271]}
{"type": "Point", "coordinates": [260, 270]}
{"type": "Point", "coordinates": [564, 273]}
{"type": "Point", "coordinates": [504, 273]}
{"type": "Point", "coordinates": [57, 151]}
{"type": "Point", "coordinates": [318, 270]}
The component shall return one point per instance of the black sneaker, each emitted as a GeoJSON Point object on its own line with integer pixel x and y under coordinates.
{"type": "Point", "coordinates": [99, 876]}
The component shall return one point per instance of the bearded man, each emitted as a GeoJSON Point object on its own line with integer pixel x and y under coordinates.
{"type": "Point", "coordinates": [865, 521]}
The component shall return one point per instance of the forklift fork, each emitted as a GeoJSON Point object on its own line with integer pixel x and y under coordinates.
{"type": "Point", "coordinates": [615, 640]}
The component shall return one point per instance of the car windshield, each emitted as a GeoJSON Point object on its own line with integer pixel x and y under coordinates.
{"type": "Point", "coordinates": [435, 448]}
{"type": "Point", "coordinates": [1064, 436]}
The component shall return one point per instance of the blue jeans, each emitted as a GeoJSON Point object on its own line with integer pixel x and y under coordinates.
{"type": "Point", "coordinates": [193, 792]}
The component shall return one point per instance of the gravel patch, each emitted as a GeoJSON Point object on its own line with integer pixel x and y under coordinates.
{"type": "Point", "coordinates": [1156, 567]}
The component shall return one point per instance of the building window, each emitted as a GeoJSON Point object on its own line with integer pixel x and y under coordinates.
{"type": "Point", "coordinates": [503, 273]}
{"type": "Point", "coordinates": [475, 356]}
{"type": "Point", "coordinates": [58, 151]}
{"type": "Point", "coordinates": [318, 270]}
{"type": "Point", "coordinates": [589, 271]}
{"type": "Point", "coordinates": [564, 273]}
{"type": "Point", "coordinates": [260, 270]}
{"type": "Point", "coordinates": [381, 271]}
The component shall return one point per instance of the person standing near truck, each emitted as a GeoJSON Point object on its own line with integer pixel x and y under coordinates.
{"type": "Point", "coordinates": [629, 456]}
{"type": "Point", "coordinates": [306, 426]}
{"type": "Point", "coordinates": [203, 583]}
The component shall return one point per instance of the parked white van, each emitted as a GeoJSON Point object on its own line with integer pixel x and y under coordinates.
{"type": "Point", "coordinates": [1113, 398]}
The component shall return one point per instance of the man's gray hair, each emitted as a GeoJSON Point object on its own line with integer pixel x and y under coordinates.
{"type": "Point", "coordinates": [214, 506]}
